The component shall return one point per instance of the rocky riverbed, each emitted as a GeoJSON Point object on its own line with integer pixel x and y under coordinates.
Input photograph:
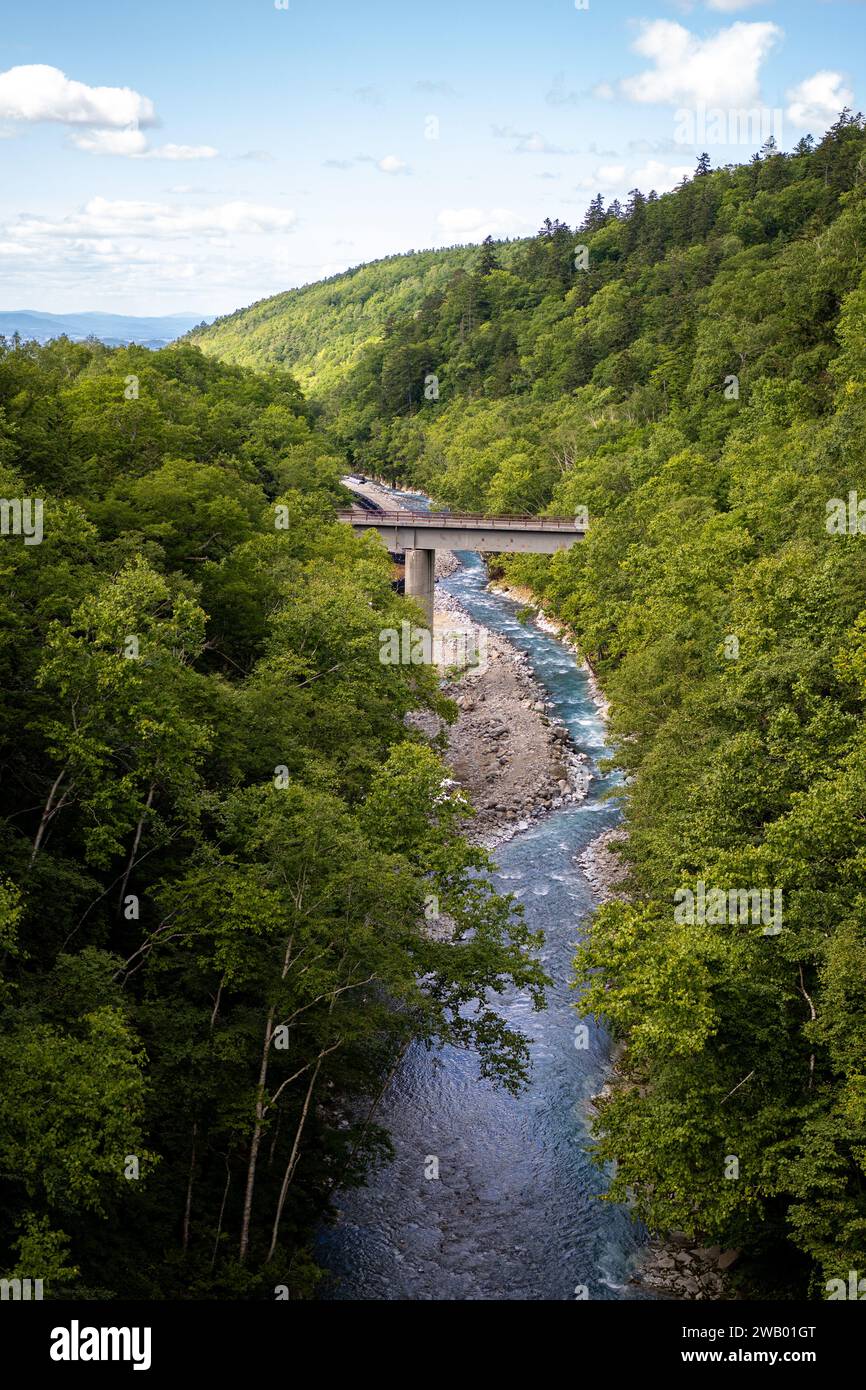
{"type": "Point", "coordinates": [515, 762]}
{"type": "Point", "coordinates": [446, 563]}
{"type": "Point", "coordinates": [604, 869]}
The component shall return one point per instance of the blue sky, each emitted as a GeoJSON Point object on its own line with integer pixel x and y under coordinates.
{"type": "Point", "coordinates": [194, 157]}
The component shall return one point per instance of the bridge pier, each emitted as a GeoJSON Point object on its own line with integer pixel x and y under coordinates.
{"type": "Point", "coordinates": [420, 580]}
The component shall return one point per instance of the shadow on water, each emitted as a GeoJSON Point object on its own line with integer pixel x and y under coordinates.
{"type": "Point", "coordinates": [515, 1213]}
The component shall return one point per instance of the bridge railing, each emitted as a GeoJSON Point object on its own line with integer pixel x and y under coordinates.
{"type": "Point", "coordinates": [520, 521]}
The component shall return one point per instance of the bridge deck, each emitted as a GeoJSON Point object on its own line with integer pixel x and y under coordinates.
{"type": "Point", "coordinates": [459, 521]}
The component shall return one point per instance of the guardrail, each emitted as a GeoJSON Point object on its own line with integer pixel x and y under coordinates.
{"type": "Point", "coordinates": [461, 519]}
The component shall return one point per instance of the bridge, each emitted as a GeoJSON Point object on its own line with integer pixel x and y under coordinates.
{"type": "Point", "coordinates": [420, 534]}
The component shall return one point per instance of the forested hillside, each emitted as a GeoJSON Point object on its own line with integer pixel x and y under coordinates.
{"type": "Point", "coordinates": [218, 841]}
{"type": "Point", "coordinates": [692, 370]}
{"type": "Point", "coordinates": [207, 780]}
{"type": "Point", "coordinates": [319, 331]}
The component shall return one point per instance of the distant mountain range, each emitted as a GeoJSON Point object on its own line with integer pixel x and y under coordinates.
{"type": "Point", "coordinates": [115, 330]}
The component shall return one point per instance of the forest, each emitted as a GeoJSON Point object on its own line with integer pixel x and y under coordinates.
{"type": "Point", "coordinates": [218, 836]}
{"type": "Point", "coordinates": [218, 839]}
{"type": "Point", "coordinates": [691, 369]}
{"type": "Point", "coordinates": [320, 330]}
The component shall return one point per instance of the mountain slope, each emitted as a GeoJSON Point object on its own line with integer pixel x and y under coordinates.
{"type": "Point", "coordinates": [319, 330]}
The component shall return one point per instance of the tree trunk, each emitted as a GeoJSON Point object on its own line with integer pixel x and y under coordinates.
{"type": "Point", "coordinates": [47, 814]}
{"type": "Point", "coordinates": [222, 1213]}
{"type": "Point", "coordinates": [188, 1207]}
{"type": "Point", "coordinates": [256, 1139]}
{"type": "Point", "coordinates": [261, 1112]}
{"type": "Point", "coordinates": [135, 844]}
{"type": "Point", "coordinates": [293, 1158]}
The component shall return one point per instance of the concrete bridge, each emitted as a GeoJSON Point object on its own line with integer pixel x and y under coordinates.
{"type": "Point", "coordinates": [420, 534]}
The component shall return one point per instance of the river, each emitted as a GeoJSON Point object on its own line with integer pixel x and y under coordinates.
{"type": "Point", "coordinates": [515, 1212]}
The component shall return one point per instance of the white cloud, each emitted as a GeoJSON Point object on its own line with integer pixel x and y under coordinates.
{"type": "Point", "coordinates": [388, 164]}
{"type": "Point", "coordinates": [603, 91]}
{"type": "Point", "coordinates": [123, 142]}
{"type": "Point", "coordinates": [720, 71]}
{"type": "Point", "coordinates": [38, 92]}
{"type": "Point", "coordinates": [535, 143]}
{"type": "Point", "coordinates": [131, 250]}
{"type": "Point", "coordinates": [173, 253]}
{"type": "Point", "coordinates": [183, 152]}
{"type": "Point", "coordinates": [528, 141]}
{"type": "Point", "coordinates": [661, 177]}
{"type": "Point", "coordinates": [729, 6]}
{"type": "Point", "coordinates": [609, 175]}
{"type": "Point", "coordinates": [114, 118]}
{"type": "Point", "coordinates": [618, 178]}
{"type": "Point", "coordinates": [817, 100]}
{"type": "Point", "coordinates": [474, 224]}
{"type": "Point", "coordinates": [104, 217]}
{"type": "Point", "coordinates": [132, 144]}
{"type": "Point", "coordinates": [392, 165]}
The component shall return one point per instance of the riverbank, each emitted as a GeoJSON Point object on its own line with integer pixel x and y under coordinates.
{"type": "Point", "coordinates": [519, 594]}
{"type": "Point", "coordinates": [604, 869]}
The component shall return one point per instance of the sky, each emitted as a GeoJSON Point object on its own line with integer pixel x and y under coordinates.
{"type": "Point", "coordinates": [193, 156]}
